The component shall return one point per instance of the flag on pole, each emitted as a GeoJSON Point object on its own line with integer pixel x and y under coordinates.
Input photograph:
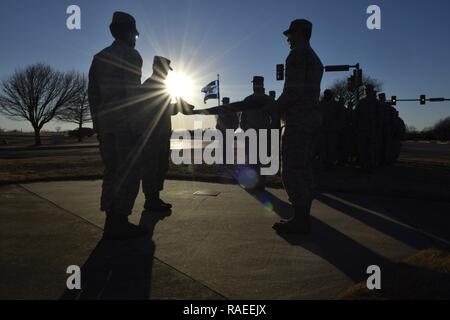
{"type": "Point", "coordinates": [211, 90]}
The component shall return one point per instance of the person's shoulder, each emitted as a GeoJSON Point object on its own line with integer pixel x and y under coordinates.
{"type": "Point", "coordinates": [104, 52]}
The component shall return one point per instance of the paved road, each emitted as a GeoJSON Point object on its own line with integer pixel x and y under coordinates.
{"type": "Point", "coordinates": [206, 249]}
{"type": "Point", "coordinates": [427, 148]}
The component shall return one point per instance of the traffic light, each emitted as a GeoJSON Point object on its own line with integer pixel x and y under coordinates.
{"type": "Point", "coordinates": [423, 99]}
{"type": "Point", "coordinates": [280, 72]}
{"type": "Point", "coordinates": [394, 100]}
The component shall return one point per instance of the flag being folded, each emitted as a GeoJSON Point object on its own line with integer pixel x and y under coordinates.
{"type": "Point", "coordinates": [211, 90]}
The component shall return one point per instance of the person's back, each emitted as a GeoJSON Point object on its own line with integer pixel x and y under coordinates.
{"type": "Point", "coordinates": [114, 83]}
{"type": "Point", "coordinates": [114, 79]}
{"type": "Point", "coordinates": [227, 121]}
{"type": "Point", "coordinates": [257, 118]}
{"type": "Point", "coordinates": [366, 115]}
{"type": "Point", "coordinates": [156, 109]}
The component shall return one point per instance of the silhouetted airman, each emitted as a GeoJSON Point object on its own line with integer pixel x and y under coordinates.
{"type": "Point", "coordinates": [330, 129]}
{"type": "Point", "coordinates": [256, 119]}
{"type": "Point", "coordinates": [114, 81]}
{"type": "Point", "coordinates": [299, 105]}
{"type": "Point", "coordinates": [367, 122]}
{"type": "Point", "coordinates": [156, 127]}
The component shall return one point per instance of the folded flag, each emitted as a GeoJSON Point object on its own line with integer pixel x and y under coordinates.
{"type": "Point", "coordinates": [211, 90]}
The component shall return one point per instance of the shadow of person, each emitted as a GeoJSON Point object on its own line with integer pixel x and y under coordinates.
{"type": "Point", "coordinates": [346, 254]}
{"type": "Point", "coordinates": [395, 230]}
{"type": "Point", "coordinates": [119, 270]}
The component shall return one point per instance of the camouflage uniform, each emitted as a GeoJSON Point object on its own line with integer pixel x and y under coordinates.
{"type": "Point", "coordinates": [298, 104]}
{"type": "Point", "coordinates": [367, 130]}
{"type": "Point", "coordinates": [156, 127]}
{"type": "Point", "coordinates": [256, 119]}
{"type": "Point", "coordinates": [114, 78]}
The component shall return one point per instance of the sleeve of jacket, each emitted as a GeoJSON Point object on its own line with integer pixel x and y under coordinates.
{"type": "Point", "coordinates": [94, 93]}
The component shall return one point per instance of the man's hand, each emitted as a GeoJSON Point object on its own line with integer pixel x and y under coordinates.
{"type": "Point", "coordinates": [184, 107]}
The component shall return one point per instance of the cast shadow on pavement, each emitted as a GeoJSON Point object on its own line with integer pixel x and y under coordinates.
{"type": "Point", "coordinates": [119, 270]}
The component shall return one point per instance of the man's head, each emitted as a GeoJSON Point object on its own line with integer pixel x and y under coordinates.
{"type": "Point", "coordinates": [272, 94]}
{"type": "Point", "coordinates": [258, 84]}
{"type": "Point", "coordinates": [225, 100]}
{"type": "Point", "coordinates": [382, 97]}
{"type": "Point", "coordinates": [299, 32]}
{"type": "Point", "coordinates": [370, 91]}
{"type": "Point", "coordinates": [161, 66]}
{"type": "Point", "coordinates": [123, 27]}
{"type": "Point", "coordinates": [328, 95]}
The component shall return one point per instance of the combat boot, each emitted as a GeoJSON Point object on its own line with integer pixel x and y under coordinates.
{"type": "Point", "coordinates": [118, 228]}
{"type": "Point", "coordinates": [300, 224]}
{"type": "Point", "coordinates": [154, 203]}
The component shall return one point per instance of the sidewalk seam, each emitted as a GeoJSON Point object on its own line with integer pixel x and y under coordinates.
{"type": "Point", "coordinates": [96, 226]}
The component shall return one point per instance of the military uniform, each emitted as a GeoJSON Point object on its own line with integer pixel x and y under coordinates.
{"type": "Point", "coordinates": [114, 79]}
{"type": "Point", "coordinates": [299, 100]}
{"type": "Point", "coordinates": [367, 122]}
{"type": "Point", "coordinates": [256, 119]}
{"type": "Point", "coordinates": [226, 121]}
{"type": "Point", "coordinates": [157, 128]}
{"type": "Point", "coordinates": [330, 127]}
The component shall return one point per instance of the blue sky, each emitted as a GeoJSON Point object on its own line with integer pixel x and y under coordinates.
{"type": "Point", "coordinates": [239, 39]}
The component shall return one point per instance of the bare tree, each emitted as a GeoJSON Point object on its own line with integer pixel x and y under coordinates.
{"type": "Point", "coordinates": [77, 111]}
{"type": "Point", "coordinates": [37, 94]}
{"type": "Point", "coordinates": [349, 97]}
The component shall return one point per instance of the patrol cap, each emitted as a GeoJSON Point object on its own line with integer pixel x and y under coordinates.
{"type": "Point", "coordinates": [258, 80]}
{"type": "Point", "coordinates": [382, 96]}
{"type": "Point", "coordinates": [225, 100]}
{"type": "Point", "coordinates": [161, 61]}
{"type": "Point", "coordinates": [299, 25]}
{"type": "Point", "coordinates": [123, 19]}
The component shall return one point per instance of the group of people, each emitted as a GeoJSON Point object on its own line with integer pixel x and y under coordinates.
{"type": "Point", "coordinates": [132, 121]}
{"type": "Point", "coordinates": [369, 135]}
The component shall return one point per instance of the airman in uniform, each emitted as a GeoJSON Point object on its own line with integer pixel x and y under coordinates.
{"type": "Point", "coordinates": [226, 121]}
{"type": "Point", "coordinates": [367, 129]}
{"type": "Point", "coordinates": [299, 107]}
{"type": "Point", "coordinates": [155, 125]}
{"type": "Point", "coordinates": [330, 128]}
{"type": "Point", "coordinates": [257, 119]}
{"type": "Point", "coordinates": [114, 81]}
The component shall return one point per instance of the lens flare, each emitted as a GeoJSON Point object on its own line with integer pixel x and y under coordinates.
{"type": "Point", "coordinates": [179, 85]}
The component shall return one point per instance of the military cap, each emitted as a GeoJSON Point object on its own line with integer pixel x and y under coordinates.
{"type": "Point", "coordinates": [124, 19]}
{"type": "Point", "coordinates": [299, 25]}
{"type": "Point", "coordinates": [161, 61]}
{"type": "Point", "coordinates": [258, 80]}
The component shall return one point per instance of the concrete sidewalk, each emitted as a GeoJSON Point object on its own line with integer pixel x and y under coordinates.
{"type": "Point", "coordinates": [210, 247]}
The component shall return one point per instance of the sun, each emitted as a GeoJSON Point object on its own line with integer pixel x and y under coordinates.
{"type": "Point", "coordinates": [179, 85]}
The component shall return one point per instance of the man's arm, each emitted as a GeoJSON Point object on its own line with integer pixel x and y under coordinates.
{"type": "Point", "coordinates": [234, 107]}
{"type": "Point", "coordinates": [94, 95]}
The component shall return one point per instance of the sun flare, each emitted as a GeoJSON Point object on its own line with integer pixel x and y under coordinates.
{"type": "Point", "coordinates": [179, 85]}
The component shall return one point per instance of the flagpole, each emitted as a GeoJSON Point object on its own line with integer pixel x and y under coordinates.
{"type": "Point", "coordinates": [218, 90]}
